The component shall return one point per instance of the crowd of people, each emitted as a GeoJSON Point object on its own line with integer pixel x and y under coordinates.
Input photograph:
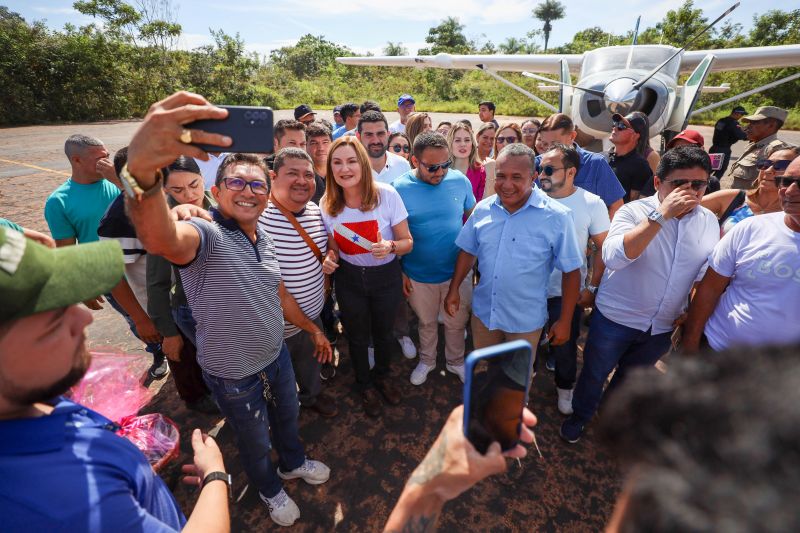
{"type": "Point", "coordinates": [235, 269]}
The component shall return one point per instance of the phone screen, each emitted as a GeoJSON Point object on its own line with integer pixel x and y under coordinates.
{"type": "Point", "coordinates": [498, 390]}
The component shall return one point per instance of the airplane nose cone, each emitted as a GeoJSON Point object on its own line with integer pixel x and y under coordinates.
{"type": "Point", "coordinates": [620, 95]}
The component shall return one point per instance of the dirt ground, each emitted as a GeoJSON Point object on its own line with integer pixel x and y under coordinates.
{"type": "Point", "coordinates": [572, 488]}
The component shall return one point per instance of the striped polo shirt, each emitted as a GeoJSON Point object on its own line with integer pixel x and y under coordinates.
{"type": "Point", "coordinates": [301, 271]}
{"type": "Point", "coordinates": [232, 290]}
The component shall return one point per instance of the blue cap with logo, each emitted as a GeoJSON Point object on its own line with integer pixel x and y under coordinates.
{"type": "Point", "coordinates": [404, 98]}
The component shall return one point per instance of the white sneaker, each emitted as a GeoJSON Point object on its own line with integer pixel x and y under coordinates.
{"type": "Point", "coordinates": [312, 472]}
{"type": "Point", "coordinates": [440, 318]}
{"type": "Point", "coordinates": [282, 508]}
{"type": "Point", "coordinates": [420, 374]}
{"type": "Point", "coordinates": [407, 345]}
{"type": "Point", "coordinates": [371, 357]}
{"type": "Point", "coordinates": [457, 370]}
{"type": "Point", "coordinates": [565, 401]}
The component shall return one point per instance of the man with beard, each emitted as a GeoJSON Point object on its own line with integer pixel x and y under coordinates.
{"type": "Point", "coordinates": [373, 132]}
{"type": "Point", "coordinates": [63, 466]}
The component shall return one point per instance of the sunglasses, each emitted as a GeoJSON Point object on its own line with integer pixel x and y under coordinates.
{"type": "Point", "coordinates": [238, 184]}
{"type": "Point", "coordinates": [784, 182]}
{"type": "Point", "coordinates": [397, 148]}
{"type": "Point", "coordinates": [620, 126]}
{"type": "Point", "coordinates": [434, 168]}
{"type": "Point", "coordinates": [507, 140]}
{"type": "Point", "coordinates": [548, 171]}
{"type": "Point", "coordinates": [777, 166]}
{"type": "Point", "coordinates": [529, 132]}
{"type": "Point", "coordinates": [696, 185]}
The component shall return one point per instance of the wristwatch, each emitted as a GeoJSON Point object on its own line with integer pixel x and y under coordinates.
{"type": "Point", "coordinates": [132, 188]}
{"type": "Point", "coordinates": [656, 216]}
{"type": "Point", "coordinates": [219, 476]}
{"type": "Point", "coordinates": [592, 288]}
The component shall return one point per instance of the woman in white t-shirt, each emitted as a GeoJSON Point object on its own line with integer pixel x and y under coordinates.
{"type": "Point", "coordinates": [368, 223]}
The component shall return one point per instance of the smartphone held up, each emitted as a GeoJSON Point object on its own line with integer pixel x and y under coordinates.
{"type": "Point", "coordinates": [250, 128]}
{"type": "Point", "coordinates": [496, 385]}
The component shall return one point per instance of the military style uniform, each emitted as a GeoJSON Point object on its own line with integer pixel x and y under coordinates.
{"type": "Point", "coordinates": [727, 132]}
{"type": "Point", "coordinates": [744, 171]}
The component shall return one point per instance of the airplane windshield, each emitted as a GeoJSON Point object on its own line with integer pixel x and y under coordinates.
{"type": "Point", "coordinates": [616, 58]}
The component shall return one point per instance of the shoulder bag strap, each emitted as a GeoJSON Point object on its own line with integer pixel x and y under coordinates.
{"type": "Point", "coordinates": [300, 229]}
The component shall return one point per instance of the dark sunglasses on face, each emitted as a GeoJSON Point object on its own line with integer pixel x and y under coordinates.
{"type": "Point", "coordinates": [434, 168]}
{"type": "Point", "coordinates": [784, 182]}
{"type": "Point", "coordinates": [238, 184]}
{"type": "Point", "coordinates": [620, 126]}
{"type": "Point", "coordinates": [507, 140]}
{"type": "Point", "coordinates": [696, 185]}
{"type": "Point", "coordinates": [397, 148]}
{"type": "Point", "coordinates": [777, 166]}
{"type": "Point", "coordinates": [529, 132]}
{"type": "Point", "coordinates": [548, 171]}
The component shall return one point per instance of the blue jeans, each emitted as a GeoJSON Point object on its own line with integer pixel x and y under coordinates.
{"type": "Point", "coordinates": [609, 346]}
{"type": "Point", "coordinates": [252, 419]}
{"type": "Point", "coordinates": [183, 318]}
{"type": "Point", "coordinates": [151, 347]}
{"type": "Point", "coordinates": [565, 355]}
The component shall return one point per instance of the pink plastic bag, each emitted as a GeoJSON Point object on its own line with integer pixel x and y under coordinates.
{"type": "Point", "coordinates": [113, 385]}
{"type": "Point", "coordinates": [155, 435]}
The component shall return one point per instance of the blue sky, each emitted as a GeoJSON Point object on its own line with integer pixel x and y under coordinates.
{"type": "Point", "coordinates": [366, 25]}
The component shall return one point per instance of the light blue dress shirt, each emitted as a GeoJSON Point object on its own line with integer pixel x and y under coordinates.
{"type": "Point", "coordinates": [516, 253]}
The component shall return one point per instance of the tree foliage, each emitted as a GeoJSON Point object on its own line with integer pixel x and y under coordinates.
{"type": "Point", "coordinates": [547, 12]}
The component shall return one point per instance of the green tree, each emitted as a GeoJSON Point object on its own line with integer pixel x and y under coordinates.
{"type": "Point", "coordinates": [395, 49]}
{"type": "Point", "coordinates": [310, 56]}
{"type": "Point", "coordinates": [776, 27]}
{"type": "Point", "coordinates": [548, 11]}
{"type": "Point", "coordinates": [512, 45]}
{"type": "Point", "coordinates": [447, 37]}
{"type": "Point", "coordinates": [680, 25]}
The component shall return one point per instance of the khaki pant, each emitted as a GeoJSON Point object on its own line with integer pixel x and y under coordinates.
{"type": "Point", "coordinates": [483, 337]}
{"type": "Point", "coordinates": [427, 300]}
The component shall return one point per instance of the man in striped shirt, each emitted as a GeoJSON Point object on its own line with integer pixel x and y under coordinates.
{"type": "Point", "coordinates": [232, 281]}
{"type": "Point", "coordinates": [293, 187]}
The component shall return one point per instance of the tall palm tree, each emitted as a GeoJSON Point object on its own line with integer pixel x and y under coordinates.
{"type": "Point", "coordinates": [395, 49]}
{"type": "Point", "coordinates": [512, 46]}
{"type": "Point", "coordinates": [548, 11]}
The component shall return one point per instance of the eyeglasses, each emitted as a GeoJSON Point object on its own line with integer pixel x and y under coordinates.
{"type": "Point", "coordinates": [777, 166]}
{"type": "Point", "coordinates": [548, 171]}
{"type": "Point", "coordinates": [397, 148]}
{"type": "Point", "coordinates": [784, 182]}
{"type": "Point", "coordinates": [238, 184]}
{"type": "Point", "coordinates": [434, 168]}
{"type": "Point", "coordinates": [620, 126]}
{"type": "Point", "coordinates": [507, 140]}
{"type": "Point", "coordinates": [696, 185]}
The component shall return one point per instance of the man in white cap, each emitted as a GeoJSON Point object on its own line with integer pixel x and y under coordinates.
{"type": "Point", "coordinates": [762, 132]}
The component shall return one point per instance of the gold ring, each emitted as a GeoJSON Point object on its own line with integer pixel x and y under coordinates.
{"type": "Point", "coordinates": [186, 136]}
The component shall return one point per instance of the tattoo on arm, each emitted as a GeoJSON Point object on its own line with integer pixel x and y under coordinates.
{"type": "Point", "coordinates": [431, 466]}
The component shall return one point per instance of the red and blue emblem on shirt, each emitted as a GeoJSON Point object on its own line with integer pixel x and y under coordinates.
{"type": "Point", "coordinates": [354, 238]}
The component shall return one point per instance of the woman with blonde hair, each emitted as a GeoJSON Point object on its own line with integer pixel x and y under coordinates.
{"type": "Point", "coordinates": [464, 154]}
{"type": "Point", "coordinates": [485, 137]}
{"type": "Point", "coordinates": [734, 205]}
{"type": "Point", "coordinates": [416, 124]}
{"type": "Point", "coordinates": [368, 223]}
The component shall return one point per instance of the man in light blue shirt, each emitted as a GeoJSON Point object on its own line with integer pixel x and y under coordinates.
{"type": "Point", "coordinates": [350, 114]}
{"type": "Point", "coordinates": [436, 200]}
{"type": "Point", "coordinates": [518, 235]}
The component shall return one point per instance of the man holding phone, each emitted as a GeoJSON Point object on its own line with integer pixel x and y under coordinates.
{"type": "Point", "coordinates": [517, 235]}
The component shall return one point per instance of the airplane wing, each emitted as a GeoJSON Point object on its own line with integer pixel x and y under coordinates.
{"type": "Point", "coordinates": [541, 63]}
{"type": "Point", "coordinates": [756, 57]}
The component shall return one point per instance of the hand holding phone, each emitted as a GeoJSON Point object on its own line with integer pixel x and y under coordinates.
{"type": "Point", "coordinates": [250, 128]}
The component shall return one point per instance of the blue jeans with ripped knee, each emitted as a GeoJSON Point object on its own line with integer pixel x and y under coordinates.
{"type": "Point", "coordinates": [252, 419]}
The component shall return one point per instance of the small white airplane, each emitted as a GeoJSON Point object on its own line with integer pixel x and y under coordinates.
{"type": "Point", "coordinates": [619, 79]}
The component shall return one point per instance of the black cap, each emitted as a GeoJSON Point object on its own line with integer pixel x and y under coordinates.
{"type": "Point", "coordinates": [739, 109]}
{"type": "Point", "coordinates": [634, 120]}
{"type": "Point", "coordinates": [302, 110]}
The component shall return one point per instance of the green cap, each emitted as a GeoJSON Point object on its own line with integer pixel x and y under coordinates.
{"type": "Point", "coordinates": [35, 278]}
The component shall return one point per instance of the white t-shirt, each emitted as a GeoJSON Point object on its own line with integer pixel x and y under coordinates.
{"type": "Point", "coordinates": [208, 169]}
{"type": "Point", "coordinates": [761, 304]}
{"type": "Point", "coordinates": [355, 231]}
{"type": "Point", "coordinates": [395, 167]}
{"type": "Point", "coordinates": [397, 127]}
{"type": "Point", "coordinates": [590, 215]}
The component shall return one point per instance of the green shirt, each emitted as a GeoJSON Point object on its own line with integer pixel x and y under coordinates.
{"type": "Point", "coordinates": [74, 210]}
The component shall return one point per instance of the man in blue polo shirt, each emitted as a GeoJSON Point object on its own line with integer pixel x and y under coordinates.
{"type": "Point", "coordinates": [436, 200]}
{"type": "Point", "coordinates": [518, 235]}
{"type": "Point", "coordinates": [595, 174]}
{"type": "Point", "coordinates": [64, 468]}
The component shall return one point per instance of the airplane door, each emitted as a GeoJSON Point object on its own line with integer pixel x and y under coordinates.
{"type": "Point", "coordinates": [688, 95]}
{"type": "Point", "coordinates": [565, 93]}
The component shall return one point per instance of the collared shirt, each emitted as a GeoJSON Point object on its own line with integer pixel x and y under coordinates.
{"type": "Point", "coordinates": [68, 471]}
{"type": "Point", "coordinates": [395, 167]}
{"type": "Point", "coordinates": [516, 253]}
{"type": "Point", "coordinates": [232, 289]}
{"type": "Point", "coordinates": [596, 176]}
{"type": "Point", "coordinates": [743, 170]}
{"type": "Point", "coordinates": [208, 169]}
{"type": "Point", "coordinates": [727, 132]}
{"type": "Point", "coordinates": [652, 290]}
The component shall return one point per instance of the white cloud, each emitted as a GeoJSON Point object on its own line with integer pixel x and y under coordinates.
{"type": "Point", "coordinates": [55, 10]}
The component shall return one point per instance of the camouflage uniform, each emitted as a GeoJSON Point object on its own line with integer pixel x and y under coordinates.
{"type": "Point", "coordinates": [743, 171]}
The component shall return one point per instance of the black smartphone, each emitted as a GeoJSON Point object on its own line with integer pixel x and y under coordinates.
{"type": "Point", "coordinates": [250, 128]}
{"type": "Point", "coordinates": [496, 384]}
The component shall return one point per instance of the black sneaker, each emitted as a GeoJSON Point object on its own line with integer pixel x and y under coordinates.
{"type": "Point", "coordinates": [159, 369]}
{"type": "Point", "coordinates": [204, 405]}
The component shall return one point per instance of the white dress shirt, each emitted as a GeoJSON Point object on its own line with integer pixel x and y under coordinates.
{"type": "Point", "coordinates": [652, 290]}
{"type": "Point", "coordinates": [395, 167]}
{"type": "Point", "coordinates": [208, 169]}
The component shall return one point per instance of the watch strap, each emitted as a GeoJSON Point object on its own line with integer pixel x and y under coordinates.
{"type": "Point", "coordinates": [218, 476]}
{"type": "Point", "coordinates": [132, 188]}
